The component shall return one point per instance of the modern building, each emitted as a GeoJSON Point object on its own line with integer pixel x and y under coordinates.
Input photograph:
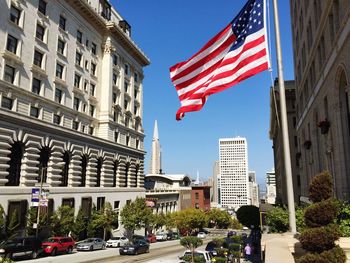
{"type": "Point", "coordinates": [321, 44]}
{"type": "Point", "coordinates": [253, 189]}
{"type": "Point", "coordinates": [275, 134]}
{"type": "Point", "coordinates": [270, 197]}
{"type": "Point", "coordinates": [168, 192]}
{"type": "Point", "coordinates": [201, 197]}
{"type": "Point", "coordinates": [233, 161]}
{"type": "Point", "coordinates": [71, 105]}
{"type": "Point", "coordinates": [156, 165]}
{"type": "Point", "coordinates": [213, 182]}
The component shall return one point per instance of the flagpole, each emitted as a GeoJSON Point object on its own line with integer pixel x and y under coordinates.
{"type": "Point", "coordinates": [286, 149]}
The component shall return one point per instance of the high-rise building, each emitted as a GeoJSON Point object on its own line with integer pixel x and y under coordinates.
{"type": "Point", "coordinates": [233, 158]}
{"type": "Point", "coordinates": [155, 167]}
{"type": "Point", "coordinates": [270, 187]}
{"type": "Point", "coordinates": [70, 106]}
{"type": "Point", "coordinates": [253, 189]}
{"type": "Point", "coordinates": [321, 43]}
{"type": "Point", "coordinates": [214, 183]}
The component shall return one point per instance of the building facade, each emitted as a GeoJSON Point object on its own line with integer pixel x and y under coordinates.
{"type": "Point", "coordinates": [253, 189]}
{"type": "Point", "coordinates": [156, 165]}
{"type": "Point", "coordinates": [271, 193]}
{"type": "Point", "coordinates": [201, 197]}
{"type": "Point", "coordinates": [70, 105]}
{"type": "Point", "coordinates": [233, 159]}
{"type": "Point", "coordinates": [321, 43]}
{"type": "Point", "coordinates": [275, 134]}
{"type": "Point", "coordinates": [213, 182]}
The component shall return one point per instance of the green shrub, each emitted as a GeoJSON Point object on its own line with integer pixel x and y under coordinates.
{"type": "Point", "coordinates": [335, 255]}
{"type": "Point", "coordinates": [316, 216]}
{"type": "Point", "coordinates": [219, 259]}
{"type": "Point", "coordinates": [222, 252]}
{"type": "Point", "coordinates": [237, 239]}
{"type": "Point", "coordinates": [319, 239]}
{"type": "Point", "coordinates": [197, 259]}
{"type": "Point", "coordinates": [277, 220]}
{"type": "Point", "coordinates": [219, 242]}
{"type": "Point", "coordinates": [321, 187]}
{"type": "Point", "coordinates": [311, 258]}
{"type": "Point", "coordinates": [234, 247]}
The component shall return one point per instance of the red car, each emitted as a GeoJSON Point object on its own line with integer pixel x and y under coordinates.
{"type": "Point", "coordinates": [151, 238]}
{"type": "Point", "coordinates": [55, 245]}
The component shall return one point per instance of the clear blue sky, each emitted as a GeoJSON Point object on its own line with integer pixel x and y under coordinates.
{"type": "Point", "coordinates": [172, 31]}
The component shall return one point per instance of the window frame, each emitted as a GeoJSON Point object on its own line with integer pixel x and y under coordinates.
{"type": "Point", "coordinates": [42, 7]}
{"type": "Point", "coordinates": [12, 42]}
{"type": "Point", "coordinates": [36, 88]}
{"type": "Point", "coordinates": [15, 18]}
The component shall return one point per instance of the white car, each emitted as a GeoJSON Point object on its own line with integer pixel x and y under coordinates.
{"type": "Point", "coordinates": [204, 256]}
{"type": "Point", "coordinates": [117, 241]}
{"type": "Point", "coordinates": [201, 235]}
{"type": "Point", "coordinates": [161, 236]}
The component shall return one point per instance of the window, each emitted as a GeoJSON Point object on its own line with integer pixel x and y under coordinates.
{"type": "Point", "coordinates": [136, 93]}
{"type": "Point", "coordinates": [135, 110]}
{"type": "Point", "coordinates": [93, 48]}
{"type": "Point", "coordinates": [93, 69]}
{"type": "Point", "coordinates": [116, 136]}
{"type": "Point", "coordinates": [6, 103]}
{"type": "Point", "coordinates": [59, 71]}
{"type": "Point", "coordinates": [114, 98]}
{"type": "Point", "coordinates": [44, 155]}
{"type": "Point", "coordinates": [12, 44]}
{"type": "Point", "coordinates": [98, 172]}
{"type": "Point", "coordinates": [126, 69]}
{"type": "Point", "coordinates": [137, 143]}
{"type": "Point", "coordinates": [15, 15]}
{"type": "Point", "coordinates": [68, 202]}
{"type": "Point", "coordinates": [116, 204]}
{"type": "Point", "coordinates": [79, 36]}
{"type": "Point", "coordinates": [42, 7]}
{"type": "Point", "coordinates": [197, 195]}
{"type": "Point", "coordinates": [36, 85]}
{"type": "Point", "coordinates": [86, 204]}
{"type": "Point", "coordinates": [91, 130]}
{"type": "Point", "coordinates": [127, 121]}
{"type": "Point", "coordinates": [58, 95]}
{"type": "Point", "coordinates": [115, 60]}
{"type": "Point", "coordinates": [65, 169]}
{"type": "Point", "coordinates": [62, 23]}
{"type": "Point", "coordinates": [9, 74]}
{"type": "Point", "coordinates": [115, 116]}
{"type": "Point", "coordinates": [40, 32]}
{"type": "Point", "coordinates": [76, 103]}
{"type": "Point", "coordinates": [136, 77]}
{"type": "Point", "coordinates": [126, 104]}
{"type": "Point", "coordinates": [57, 119]}
{"type": "Point", "coordinates": [92, 89]}
{"type": "Point", "coordinates": [126, 86]}
{"type": "Point", "coordinates": [61, 46]}
{"type": "Point", "coordinates": [78, 57]}
{"type": "Point", "coordinates": [38, 58]}
{"type": "Point", "coordinates": [77, 79]}
{"type": "Point", "coordinates": [100, 203]}
{"type": "Point", "coordinates": [127, 140]}
{"type": "Point", "coordinates": [114, 79]}
{"type": "Point", "coordinates": [87, 42]}
{"type": "Point", "coordinates": [114, 182]}
{"type": "Point", "coordinates": [92, 110]}
{"type": "Point", "coordinates": [75, 125]}
{"type": "Point", "coordinates": [84, 162]}
{"type": "Point", "coordinates": [15, 163]}
{"type": "Point", "coordinates": [34, 112]}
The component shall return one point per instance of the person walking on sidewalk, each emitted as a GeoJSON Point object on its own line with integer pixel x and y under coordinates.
{"type": "Point", "coordinates": [247, 251]}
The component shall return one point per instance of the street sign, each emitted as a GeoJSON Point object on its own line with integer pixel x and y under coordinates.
{"type": "Point", "coordinates": [35, 197]}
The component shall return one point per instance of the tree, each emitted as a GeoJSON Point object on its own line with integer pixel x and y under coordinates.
{"type": "Point", "coordinates": [62, 221]}
{"type": "Point", "coordinates": [235, 224]}
{"type": "Point", "coordinates": [80, 226]}
{"type": "Point", "coordinates": [189, 220]}
{"type": "Point", "coordinates": [343, 219]}
{"type": "Point", "coordinates": [106, 218]}
{"type": "Point", "coordinates": [2, 223]}
{"type": "Point", "coordinates": [191, 243]}
{"type": "Point", "coordinates": [219, 218]}
{"type": "Point", "coordinates": [13, 223]}
{"type": "Point", "coordinates": [136, 215]}
{"type": "Point", "coordinates": [277, 220]}
{"type": "Point", "coordinates": [32, 219]}
{"type": "Point", "coordinates": [248, 215]}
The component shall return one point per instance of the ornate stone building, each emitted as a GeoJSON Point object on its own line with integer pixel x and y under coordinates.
{"type": "Point", "coordinates": [321, 41]}
{"type": "Point", "coordinates": [71, 105]}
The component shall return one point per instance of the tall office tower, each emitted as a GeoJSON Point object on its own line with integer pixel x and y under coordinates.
{"type": "Point", "coordinates": [253, 189]}
{"type": "Point", "coordinates": [271, 187]}
{"type": "Point", "coordinates": [321, 44]}
{"type": "Point", "coordinates": [234, 186]}
{"type": "Point", "coordinates": [214, 182]}
{"type": "Point", "coordinates": [70, 106]}
{"type": "Point", "coordinates": [156, 160]}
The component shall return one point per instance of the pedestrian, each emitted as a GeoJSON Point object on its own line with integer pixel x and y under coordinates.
{"type": "Point", "coordinates": [247, 251]}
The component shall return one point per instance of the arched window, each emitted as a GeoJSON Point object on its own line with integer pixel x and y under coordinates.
{"type": "Point", "coordinates": [99, 171]}
{"type": "Point", "coordinates": [43, 159]}
{"type": "Point", "coordinates": [127, 167]}
{"type": "Point", "coordinates": [65, 169]}
{"type": "Point", "coordinates": [115, 173]}
{"type": "Point", "coordinates": [84, 162]}
{"type": "Point", "coordinates": [14, 171]}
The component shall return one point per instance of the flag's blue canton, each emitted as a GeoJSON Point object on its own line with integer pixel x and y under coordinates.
{"type": "Point", "coordinates": [248, 21]}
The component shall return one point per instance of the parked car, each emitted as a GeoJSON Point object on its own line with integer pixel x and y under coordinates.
{"type": "Point", "coordinates": [172, 235]}
{"type": "Point", "coordinates": [231, 233]}
{"type": "Point", "coordinates": [91, 244]}
{"type": "Point", "coordinates": [139, 237]}
{"type": "Point", "coordinates": [151, 238]}
{"type": "Point", "coordinates": [200, 255]}
{"type": "Point", "coordinates": [117, 241]}
{"type": "Point", "coordinates": [211, 248]}
{"type": "Point", "coordinates": [134, 248]}
{"type": "Point", "coordinates": [161, 236]}
{"type": "Point", "coordinates": [21, 246]}
{"type": "Point", "coordinates": [54, 245]}
{"type": "Point", "coordinates": [201, 235]}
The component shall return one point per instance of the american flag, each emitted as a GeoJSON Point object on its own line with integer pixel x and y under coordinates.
{"type": "Point", "coordinates": [238, 52]}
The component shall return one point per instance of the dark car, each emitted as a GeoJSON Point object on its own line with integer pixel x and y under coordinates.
{"type": "Point", "coordinates": [211, 248]}
{"type": "Point", "coordinates": [21, 246]}
{"type": "Point", "coordinates": [139, 237]}
{"type": "Point", "coordinates": [134, 248]}
{"type": "Point", "coordinates": [55, 245]}
{"type": "Point", "coordinates": [172, 235]}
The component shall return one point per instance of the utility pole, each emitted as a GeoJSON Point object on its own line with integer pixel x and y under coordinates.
{"type": "Point", "coordinates": [40, 197]}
